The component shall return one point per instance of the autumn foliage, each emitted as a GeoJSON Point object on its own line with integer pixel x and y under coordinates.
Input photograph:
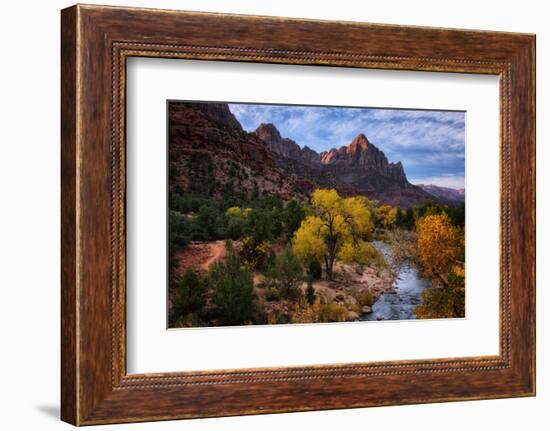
{"type": "Point", "coordinates": [440, 245]}
{"type": "Point", "coordinates": [446, 302]}
{"type": "Point", "coordinates": [319, 312]}
{"type": "Point", "coordinates": [339, 227]}
{"type": "Point", "coordinates": [441, 252]}
{"type": "Point", "coordinates": [386, 216]}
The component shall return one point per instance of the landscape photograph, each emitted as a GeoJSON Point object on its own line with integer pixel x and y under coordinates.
{"type": "Point", "coordinates": [297, 214]}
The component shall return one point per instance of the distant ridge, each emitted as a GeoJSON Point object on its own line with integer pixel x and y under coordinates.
{"type": "Point", "coordinates": [446, 193]}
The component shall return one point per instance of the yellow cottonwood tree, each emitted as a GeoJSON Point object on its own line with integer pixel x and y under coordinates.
{"type": "Point", "coordinates": [339, 225]}
{"type": "Point", "coordinates": [386, 215]}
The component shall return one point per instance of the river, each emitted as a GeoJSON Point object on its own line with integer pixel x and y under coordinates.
{"type": "Point", "coordinates": [399, 303]}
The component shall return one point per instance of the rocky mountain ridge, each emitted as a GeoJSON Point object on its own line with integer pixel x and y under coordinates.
{"type": "Point", "coordinates": [270, 136]}
{"type": "Point", "coordinates": [209, 152]}
{"type": "Point", "coordinates": [446, 193]}
{"type": "Point", "coordinates": [209, 136]}
{"type": "Point", "coordinates": [357, 168]}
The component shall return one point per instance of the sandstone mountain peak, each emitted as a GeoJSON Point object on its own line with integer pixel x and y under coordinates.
{"type": "Point", "coordinates": [359, 142]}
{"type": "Point", "coordinates": [268, 131]}
{"type": "Point", "coordinates": [359, 168]}
{"type": "Point", "coordinates": [365, 166]}
{"type": "Point", "coordinates": [359, 148]}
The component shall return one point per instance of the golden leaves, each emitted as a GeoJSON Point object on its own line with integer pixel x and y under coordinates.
{"type": "Point", "coordinates": [338, 228]}
{"type": "Point", "coordinates": [439, 243]}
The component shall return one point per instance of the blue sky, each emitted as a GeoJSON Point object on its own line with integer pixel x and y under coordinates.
{"type": "Point", "coordinates": [430, 144]}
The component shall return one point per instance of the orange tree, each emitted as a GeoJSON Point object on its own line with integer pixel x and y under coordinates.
{"type": "Point", "coordinates": [440, 245]}
{"type": "Point", "coordinates": [339, 224]}
{"type": "Point", "coordinates": [440, 250]}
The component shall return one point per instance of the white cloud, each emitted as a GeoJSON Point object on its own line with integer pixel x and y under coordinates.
{"type": "Point", "coordinates": [425, 141]}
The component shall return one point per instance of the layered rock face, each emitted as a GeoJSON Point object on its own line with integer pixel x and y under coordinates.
{"type": "Point", "coordinates": [357, 168]}
{"type": "Point", "coordinates": [362, 164]}
{"type": "Point", "coordinates": [210, 152]}
{"type": "Point", "coordinates": [218, 114]}
{"type": "Point", "coordinates": [270, 136]}
{"type": "Point", "coordinates": [265, 161]}
{"type": "Point", "coordinates": [310, 155]}
{"type": "Point", "coordinates": [211, 128]}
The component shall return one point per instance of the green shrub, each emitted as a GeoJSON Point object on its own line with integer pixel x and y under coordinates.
{"type": "Point", "coordinates": [293, 215]}
{"type": "Point", "coordinates": [207, 221]}
{"type": "Point", "coordinates": [268, 262]}
{"type": "Point", "coordinates": [179, 230]}
{"type": "Point", "coordinates": [235, 227]}
{"type": "Point", "coordinates": [255, 254]}
{"type": "Point", "coordinates": [260, 225]}
{"type": "Point", "coordinates": [405, 219]}
{"type": "Point", "coordinates": [315, 269]}
{"type": "Point", "coordinates": [189, 297]}
{"type": "Point", "coordinates": [286, 273]}
{"type": "Point", "coordinates": [233, 288]}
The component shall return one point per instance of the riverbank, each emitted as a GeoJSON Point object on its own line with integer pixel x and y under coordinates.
{"type": "Point", "coordinates": [353, 292]}
{"type": "Point", "coordinates": [399, 302]}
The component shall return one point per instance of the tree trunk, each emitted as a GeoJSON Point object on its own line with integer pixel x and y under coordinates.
{"type": "Point", "coordinates": [442, 279]}
{"type": "Point", "coordinates": [330, 257]}
{"type": "Point", "coordinates": [330, 264]}
{"type": "Point", "coordinates": [329, 273]}
{"type": "Point", "coordinates": [328, 269]}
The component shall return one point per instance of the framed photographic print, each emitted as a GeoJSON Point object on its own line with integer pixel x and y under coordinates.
{"type": "Point", "coordinates": [267, 215]}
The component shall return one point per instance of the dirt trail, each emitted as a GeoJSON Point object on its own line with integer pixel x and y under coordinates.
{"type": "Point", "coordinates": [199, 256]}
{"type": "Point", "coordinates": [217, 252]}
